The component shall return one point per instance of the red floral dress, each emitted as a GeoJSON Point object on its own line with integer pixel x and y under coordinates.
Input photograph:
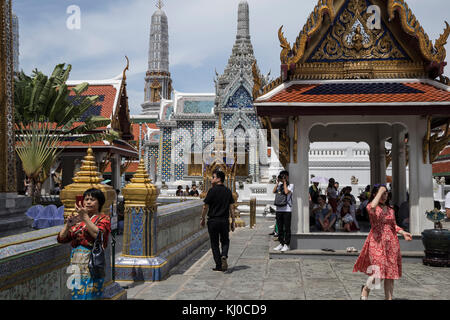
{"type": "Point", "coordinates": [78, 234]}
{"type": "Point", "coordinates": [382, 247]}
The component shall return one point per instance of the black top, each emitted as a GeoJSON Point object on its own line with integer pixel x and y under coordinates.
{"type": "Point", "coordinates": [219, 199]}
{"type": "Point", "coordinates": [193, 193]}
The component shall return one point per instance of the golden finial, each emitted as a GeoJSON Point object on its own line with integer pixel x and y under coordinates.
{"type": "Point", "coordinates": [87, 177]}
{"type": "Point", "coordinates": [140, 191]}
{"type": "Point", "coordinates": [160, 4]}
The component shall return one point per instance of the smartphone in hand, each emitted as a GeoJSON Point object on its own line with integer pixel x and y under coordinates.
{"type": "Point", "coordinates": [79, 201]}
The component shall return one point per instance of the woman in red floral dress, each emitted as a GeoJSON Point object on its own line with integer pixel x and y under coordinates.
{"type": "Point", "coordinates": [380, 255]}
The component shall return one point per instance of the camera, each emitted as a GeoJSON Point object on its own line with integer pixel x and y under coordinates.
{"type": "Point", "coordinates": [281, 177]}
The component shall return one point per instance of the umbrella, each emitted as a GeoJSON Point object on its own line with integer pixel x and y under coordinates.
{"type": "Point", "coordinates": [320, 179]}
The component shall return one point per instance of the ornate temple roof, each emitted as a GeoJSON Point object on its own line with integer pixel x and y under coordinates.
{"type": "Point", "coordinates": [361, 39]}
{"type": "Point", "coordinates": [112, 104]}
{"type": "Point", "coordinates": [409, 96]}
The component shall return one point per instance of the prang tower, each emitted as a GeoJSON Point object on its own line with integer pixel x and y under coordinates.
{"type": "Point", "coordinates": [158, 84]}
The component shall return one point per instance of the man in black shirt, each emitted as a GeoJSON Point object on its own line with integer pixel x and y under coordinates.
{"type": "Point", "coordinates": [194, 191]}
{"type": "Point", "coordinates": [218, 204]}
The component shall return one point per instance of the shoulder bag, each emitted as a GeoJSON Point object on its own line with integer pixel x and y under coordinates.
{"type": "Point", "coordinates": [97, 261]}
{"type": "Point", "coordinates": [280, 198]}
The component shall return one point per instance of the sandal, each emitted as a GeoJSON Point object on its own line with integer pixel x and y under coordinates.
{"type": "Point", "coordinates": [354, 249]}
{"type": "Point", "coordinates": [349, 249]}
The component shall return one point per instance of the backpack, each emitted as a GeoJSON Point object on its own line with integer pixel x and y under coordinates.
{"type": "Point", "coordinates": [280, 198]}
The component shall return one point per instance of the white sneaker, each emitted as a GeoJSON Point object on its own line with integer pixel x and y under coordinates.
{"type": "Point", "coordinates": [279, 247]}
{"type": "Point", "coordinates": [285, 248]}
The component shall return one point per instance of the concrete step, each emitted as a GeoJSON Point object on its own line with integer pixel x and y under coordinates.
{"type": "Point", "coordinates": [15, 224]}
{"type": "Point", "coordinates": [410, 256]}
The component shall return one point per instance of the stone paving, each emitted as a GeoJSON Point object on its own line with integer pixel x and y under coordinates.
{"type": "Point", "coordinates": [252, 275]}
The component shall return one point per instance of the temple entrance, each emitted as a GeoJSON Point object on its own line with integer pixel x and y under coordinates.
{"type": "Point", "coordinates": [378, 156]}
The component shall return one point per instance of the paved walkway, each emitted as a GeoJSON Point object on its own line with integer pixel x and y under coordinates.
{"type": "Point", "coordinates": [252, 275]}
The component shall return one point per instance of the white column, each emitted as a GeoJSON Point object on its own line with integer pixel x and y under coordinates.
{"type": "Point", "coordinates": [420, 179]}
{"type": "Point", "coordinates": [298, 174]}
{"type": "Point", "coordinates": [398, 165]}
{"type": "Point", "coordinates": [373, 164]}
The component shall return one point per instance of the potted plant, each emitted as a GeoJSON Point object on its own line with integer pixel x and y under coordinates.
{"type": "Point", "coordinates": [436, 241]}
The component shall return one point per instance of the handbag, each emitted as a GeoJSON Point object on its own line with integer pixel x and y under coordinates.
{"type": "Point", "coordinates": [97, 261]}
{"type": "Point", "coordinates": [280, 198]}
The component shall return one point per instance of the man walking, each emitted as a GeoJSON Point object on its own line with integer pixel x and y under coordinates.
{"type": "Point", "coordinates": [218, 204]}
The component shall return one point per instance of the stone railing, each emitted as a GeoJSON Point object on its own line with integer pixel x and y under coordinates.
{"type": "Point", "coordinates": [33, 266]}
{"type": "Point", "coordinates": [172, 233]}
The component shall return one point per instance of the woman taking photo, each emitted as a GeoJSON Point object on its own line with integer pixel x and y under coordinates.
{"type": "Point", "coordinates": [381, 251]}
{"type": "Point", "coordinates": [82, 231]}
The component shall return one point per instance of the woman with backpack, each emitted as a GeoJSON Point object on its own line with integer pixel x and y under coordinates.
{"type": "Point", "coordinates": [283, 201]}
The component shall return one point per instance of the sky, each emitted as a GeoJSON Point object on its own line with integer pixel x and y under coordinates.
{"type": "Point", "coordinates": [201, 36]}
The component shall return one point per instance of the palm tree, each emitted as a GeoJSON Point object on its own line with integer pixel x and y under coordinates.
{"type": "Point", "coordinates": [45, 116]}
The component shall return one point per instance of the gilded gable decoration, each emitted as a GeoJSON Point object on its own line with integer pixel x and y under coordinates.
{"type": "Point", "coordinates": [434, 53]}
{"type": "Point", "coordinates": [350, 39]}
{"type": "Point", "coordinates": [291, 56]}
{"type": "Point", "coordinates": [361, 39]}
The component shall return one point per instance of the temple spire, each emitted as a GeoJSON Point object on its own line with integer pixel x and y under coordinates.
{"type": "Point", "coordinates": [158, 83]}
{"type": "Point", "coordinates": [243, 28]}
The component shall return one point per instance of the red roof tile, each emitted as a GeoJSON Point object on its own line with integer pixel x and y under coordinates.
{"type": "Point", "coordinates": [299, 93]}
{"type": "Point", "coordinates": [109, 96]}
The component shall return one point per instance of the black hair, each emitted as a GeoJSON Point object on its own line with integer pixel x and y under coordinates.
{"type": "Point", "coordinates": [284, 172]}
{"type": "Point", "coordinates": [179, 187]}
{"type": "Point", "coordinates": [374, 192]}
{"type": "Point", "coordinates": [437, 205]}
{"type": "Point", "coordinates": [331, 182]}
{"type": "Point", "coordinates": [97, 194]}
{"type": "Point", "coordinates": [324, 197]}
{"type": "Point", "coordinates": [219, 174]}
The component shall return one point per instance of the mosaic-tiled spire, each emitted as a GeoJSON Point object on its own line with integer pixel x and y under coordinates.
{"type": "Point", "coordinates": [157, 81]}
{"type": "Point", "coordinates": [241, 59]}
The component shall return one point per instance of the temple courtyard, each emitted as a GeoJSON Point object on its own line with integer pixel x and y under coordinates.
{"type": "Point", "coordinates": [255, 273]}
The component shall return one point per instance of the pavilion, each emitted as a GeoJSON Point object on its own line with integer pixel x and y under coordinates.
{"type": "Point", "coordinates": [366, 71]}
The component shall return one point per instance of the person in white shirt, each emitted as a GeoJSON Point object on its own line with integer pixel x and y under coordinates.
{"type": "Point", "coordinates": [447, 204]}
{"type": "Point", "coordinates": [284, 213]}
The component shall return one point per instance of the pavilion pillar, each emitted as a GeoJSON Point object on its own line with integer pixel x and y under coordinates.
{"type": "Point", "coordinates": [420, 178]}
{"type": "Point", "coordinates": [115, 172]}
{"type": "Point", "coordinates": [68, 167]}
{"type": "Point", "coordinates": [398, 165]}
{"type": "Point", "coordinates": [298, 175]}
{"type": "Point", "coordinates": [377, 159]}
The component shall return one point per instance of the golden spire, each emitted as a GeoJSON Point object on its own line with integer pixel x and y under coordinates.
{"type": "Point", "coordinates": [140, 191]}
{"type": "Point", "coordinates": [87, 177]}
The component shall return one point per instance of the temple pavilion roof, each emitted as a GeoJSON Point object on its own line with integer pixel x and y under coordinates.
{"type": "Point", "coordinates": [391, 96]}
{"type": "Point", "coordinates": [112, 104]}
